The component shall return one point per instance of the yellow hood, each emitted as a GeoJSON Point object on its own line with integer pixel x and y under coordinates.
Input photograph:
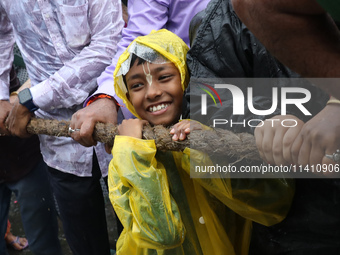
{"type": "Point", "coordinates": [163, 42]}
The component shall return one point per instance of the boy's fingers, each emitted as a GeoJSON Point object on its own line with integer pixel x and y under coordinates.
{"type": "Point", "coordinates": [182, 136]}
{"type": "Point", "coordinates": [180, 130]}
{"type": "Point", "coordinates": [175, 137]}
{"type": "Point", "coordinates": [144, 122]}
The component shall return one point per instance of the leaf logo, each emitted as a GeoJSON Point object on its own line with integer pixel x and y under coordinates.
{"type": "Point", "coordinates": [209, 93]}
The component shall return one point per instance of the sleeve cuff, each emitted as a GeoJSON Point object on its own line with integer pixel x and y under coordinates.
{"type": "Point", "coordinates": [41, 94]}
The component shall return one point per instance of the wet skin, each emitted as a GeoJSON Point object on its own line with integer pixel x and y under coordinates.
{"type": "Point", "coordinates": [158, 101]}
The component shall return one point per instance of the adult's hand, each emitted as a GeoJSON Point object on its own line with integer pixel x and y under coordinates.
{"type": "Point", "coordinates": [274, 140]}
{"type": "Point", "coordinates": [102, 110]}
{"type": "Point", "coordinates": [5, 108]}
{"type": "Point", "coordinates": [318, 137]}
{"type": "Point", "coordinates": [18, 119]}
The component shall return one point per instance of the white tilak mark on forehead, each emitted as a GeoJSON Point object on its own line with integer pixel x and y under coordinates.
{"type": "Point", "coordinates": [148, 75]}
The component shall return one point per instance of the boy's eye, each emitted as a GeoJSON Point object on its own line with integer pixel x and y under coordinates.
{"type": "Point", "coordinates": [136, 85]}
{"type": "Point", "coordinates": [165, 77]}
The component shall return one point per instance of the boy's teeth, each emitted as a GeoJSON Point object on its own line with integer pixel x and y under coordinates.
{"type": "Point", "coordinates": [158, 107]}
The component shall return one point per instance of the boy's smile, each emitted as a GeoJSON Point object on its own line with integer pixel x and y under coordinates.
{"type": "Point", "coordinates": [155, 91]}
{"type": "Point", "coordinates": [157, 109]}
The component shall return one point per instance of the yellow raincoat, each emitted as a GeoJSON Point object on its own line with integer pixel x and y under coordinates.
{"type": "Point", "coordinates": [163, 210]}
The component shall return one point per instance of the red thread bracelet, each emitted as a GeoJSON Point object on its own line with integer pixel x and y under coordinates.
{"type": "Point", "coordinates": [94, 98]}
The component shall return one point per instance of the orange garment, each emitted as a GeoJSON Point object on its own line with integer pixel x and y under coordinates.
{"type": "Point", "coordinates": [8, 228]}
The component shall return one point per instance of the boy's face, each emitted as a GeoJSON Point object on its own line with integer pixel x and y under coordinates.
{"type": "Point", "coordinates": [155, 91]}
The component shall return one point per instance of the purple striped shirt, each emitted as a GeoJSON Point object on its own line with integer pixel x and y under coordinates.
{"type": "Point", "coordinates": [66, 45]}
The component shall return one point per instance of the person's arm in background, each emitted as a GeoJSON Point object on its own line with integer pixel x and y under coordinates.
{"type": "Point", "coordinates": [144, 16]}
{"type": "Point", "coordinates": [72, 83]}
{"type": "Point", "coordinates": [6, 59]}
{"type": "Point", "coordinates": [299, 33]}
{"type": "Point", "coordinates": [304, 37]}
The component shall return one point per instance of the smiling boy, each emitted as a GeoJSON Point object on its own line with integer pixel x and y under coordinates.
{"type": "Point", "coordinates": [159, 100]}
{"type": "Point", "coordinates": [162, 209]}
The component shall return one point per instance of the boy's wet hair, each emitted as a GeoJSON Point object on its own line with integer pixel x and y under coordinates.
{"type": "Point", "coordinates": [141, 61]}
{"type": "Point", "coordinates": [133, 60]}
